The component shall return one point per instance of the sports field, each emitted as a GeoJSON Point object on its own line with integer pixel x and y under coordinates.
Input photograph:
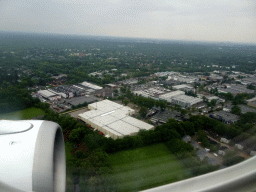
{"type": "Point", "coordinates": [145, 167]}
{"type": "Point", "coordinates": [22, 114]}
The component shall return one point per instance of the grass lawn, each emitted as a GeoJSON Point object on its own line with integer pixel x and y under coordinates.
{"type": "Point", "coordinates": [69, 181]}
{"type": "Point", "coordinates": [145, 167]}
{"type": "Point", "coordinates": [22, 114]}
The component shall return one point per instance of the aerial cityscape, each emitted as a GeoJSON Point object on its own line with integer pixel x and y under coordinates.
{"type": "Point", "coordinates": [119, 101]}
{"type": "Point", "coordinates": [146, 93]}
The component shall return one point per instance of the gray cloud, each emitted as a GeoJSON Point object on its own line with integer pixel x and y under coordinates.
{"type": "Point", "coordinates": [219, 20]}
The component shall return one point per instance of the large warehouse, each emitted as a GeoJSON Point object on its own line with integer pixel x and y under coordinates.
{"type": "Point", "coordinates": [185, 101]}
{"type": "Point", "coordinates": [113, 119]}
{"type": "Point", "coordinates": [90, 85]}
{"type": "Point", "coordinates": [49, 95]}
{"type": "Point", "coordinates": [168, 96]}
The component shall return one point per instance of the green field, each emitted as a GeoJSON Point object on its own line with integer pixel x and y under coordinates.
{"type": "Point", "coordinates": [145, 167]}
{"type": "Point", "coordinates": [22, 114]}
{"type": "Point", "coordinates": [69, 184]}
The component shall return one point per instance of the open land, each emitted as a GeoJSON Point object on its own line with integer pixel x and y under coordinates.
{"type": "Point", "coordinates": [22, 114]}
{"type": "Point", "coordinates": [145, 167]}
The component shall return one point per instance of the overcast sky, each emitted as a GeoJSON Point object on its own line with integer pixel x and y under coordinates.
{"type": "Point", "coordinates": [211, 20]}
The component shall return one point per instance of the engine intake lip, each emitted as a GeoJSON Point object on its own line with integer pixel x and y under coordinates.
{"type": "Point", "coordinates": [49, 165]}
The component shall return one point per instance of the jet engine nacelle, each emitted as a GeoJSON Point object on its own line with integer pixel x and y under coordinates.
{"type": "Point", "coordinates": [32, 156]}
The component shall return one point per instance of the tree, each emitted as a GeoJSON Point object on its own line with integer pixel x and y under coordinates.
{"type": "Point", "coordinates": [123, 89]}
{"type": "Point", "coordinates": [249, 117]}
{"type": "Point", "coordinates": [93, 141]}
{"type": "Point", "coordinates": [178, 146]}
{"type": "Point", "coordinates": [125, 102]}
{"type": "Point", "coordinates": [236, 110]}
{"type": "Point", "coordinates": [177, 107]}
{"type": "Point", "coordinates": [77, 135]}
{"type": "Point", "coordinates": [202, 136]}
{"type": "Point", "coordinates": [231, 158]}
{"type": "Point", "coordinates": [229, 96]}
{"type": "Point", "coordinates": [188, 127]}
{"type": "Point", "coordinates": [143, 111]}
{"type": "Point", "coordinates": [115, 91]}
{"type": "Point", "coordinates": [250, 86]}
{"type": "Point", "coordinates": [201, 88]}
{"type": "Point", "coordinates": [213, 102]}
{"type": "Point", "coordinates": [183, 111]}
{"type": "Point", "coordinates": [160, 104]}
{"type": "Point", "coordinates": [80, 154]}
{"type": "Point", "coordinates": [205, 99]}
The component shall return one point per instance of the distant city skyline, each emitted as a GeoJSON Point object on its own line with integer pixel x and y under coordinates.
{"type": "Point", "coordinates": [203, 20]}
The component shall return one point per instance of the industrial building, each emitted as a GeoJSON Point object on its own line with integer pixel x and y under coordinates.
{"type": "Point", "coordinates": [225, 117]}
{"type": "Point", "coordinates": [113, 119]}
{"type": "Point", "coordinates": [168, 96]}
{"type": "Point", "coordinates": [49, 95]}
{"type": "Point", "coordinates": [129, 81]}
{"type": "Point", "coordinates": [219, 100]}
{"type": "Point", "coordinates": [244, 109]}
{"type": "Point", "coordinates": [250, 80]}
{"type": "Point", "coordinates": [152, 92]}
{"type": "Point", "coordinates": [183, 87]}
{"type": "Point", "coordinates": [90, 85]}
{"type": "Point", "coordinates": [67, 91]}
{"type": "Point", "coordinates": [163, 74]}
{"type": "Point", "coordinates": [215, 77]}
{"type": "Point", "coordinates": [185, 101]}
{"type": "Point", "coordinates": [81, 100]}
{"type": "Point", "coordinates": [105, 92]}
{"type": "Point", "coordinates": [235, 89]}
{"type": "Point", "coordinates": [182, 78]}
{"type": "Point", "coordinates": [163, 116]}
{"type": "Point", "coordinates": [252, 102]}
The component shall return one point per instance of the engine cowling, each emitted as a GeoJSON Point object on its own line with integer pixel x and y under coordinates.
{"type": "Point", "coordinates": [32, 156]}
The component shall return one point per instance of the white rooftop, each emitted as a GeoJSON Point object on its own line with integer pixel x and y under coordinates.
{"type": "Point", "coordinates": [187, 99]}
{"type": "Point", "coordinates": [46, 93]}
{"type": "Point", "coordinates": [182, 86]}
{"type": "Point", "coordinates": [112, 119]}
{"type": "Point", "coordinates": [171, 94]}
{"type": "Point", "coordinates": [87, 84]}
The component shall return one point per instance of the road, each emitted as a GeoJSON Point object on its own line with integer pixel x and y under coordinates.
{"type": "Point", "coordinates": [73, 110]}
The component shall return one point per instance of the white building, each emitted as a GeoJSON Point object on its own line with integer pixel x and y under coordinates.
{"type": "Point", "coordinates": [239, 146]}
{"type": "Point", "coordinates": [221, 152]}
{"type": "Point", "coordinates": [113, 119]}
{"type": "Point", "coordinates": [64, 95]}
{"type": "Point", "coordinates": [224, 140]}
{"type": "Point", "coordinates": [49, 95]}
{"type": "Point", "coordinates": [219, 100]}
{"type": "Point", "coordinates": [90, 85]}
{"type": "Point", "coordinates": [185, 101]}
{"type": "Point", "coordinates": [183, 87]}
{"type": "Point", "coordinates": [168, 96]}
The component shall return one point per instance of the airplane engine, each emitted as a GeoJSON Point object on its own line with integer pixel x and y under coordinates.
{"type": "Point", "coordinates": [32, 156]}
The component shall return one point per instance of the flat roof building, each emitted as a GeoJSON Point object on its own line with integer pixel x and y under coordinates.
{"type": "Point", "coordinates": [183, 87]}
{"type": "Point", "coordinates": [113, 119]}
{"type": "Point", "coordinates": [80, 100]}
{"type": "Point", "coordinates": [252, 102]}
{"type": "Point", "coordinates": [235, 89]}
{"type": "Point", "coordinates": [90, 85]}
{"type": "Point", "coordinates": [225, 117]}
{"type": "Point", "coordinates": [244, 109]}
{"type": "Point", "coordinates": [185, 101]}
{"type": "Point", "coordinates": [49, 95]}
{"type": "Point", "coordinates": [219, 100]}
{"type": "Point", "coordinates": [168, 96]}
{"type": "Point", "coordinates": [250, 80]}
